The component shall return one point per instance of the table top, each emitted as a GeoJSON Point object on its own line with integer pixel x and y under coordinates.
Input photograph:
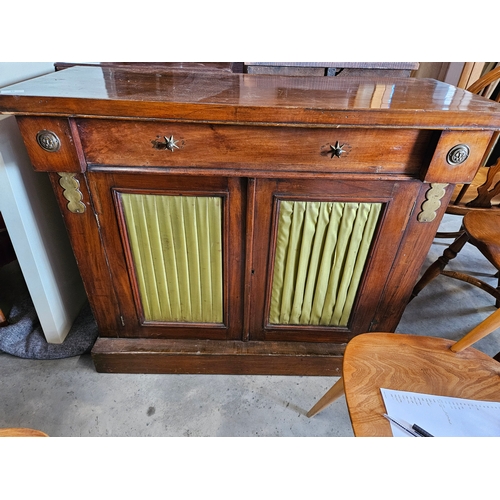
{"type": "Point", "coordinates": [242, 98]}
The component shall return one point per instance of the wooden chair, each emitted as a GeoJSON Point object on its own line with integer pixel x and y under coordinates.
{"type": "Point", "coordinates": [428, 365]}
{"type": "Point", "coordinates": [481, 229]}
{"type": "Point", "coordinates": [482, 195]}
{"type": "Point", "coordinates": [21, 432]}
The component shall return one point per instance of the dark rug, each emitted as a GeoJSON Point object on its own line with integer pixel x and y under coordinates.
{"type": "Point", "coordinates": [24, 337]}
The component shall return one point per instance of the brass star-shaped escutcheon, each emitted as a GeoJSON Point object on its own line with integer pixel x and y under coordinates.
{"type": "Point", "coordinates": [336, 150]}
{"type": "Point", "coordinates": [170, 143]}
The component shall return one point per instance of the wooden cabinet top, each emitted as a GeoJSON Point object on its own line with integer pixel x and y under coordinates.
{"type": "Point", "coordinates": [241, 98]}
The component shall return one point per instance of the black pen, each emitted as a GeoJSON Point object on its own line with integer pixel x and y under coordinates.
{"type": "Point", "coordinates": [414, 430]}
{"type": "Point", "coordinates": [421, 431]}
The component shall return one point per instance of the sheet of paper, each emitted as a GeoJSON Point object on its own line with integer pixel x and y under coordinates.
{"type": "Point", "coordinates": [442, 416]}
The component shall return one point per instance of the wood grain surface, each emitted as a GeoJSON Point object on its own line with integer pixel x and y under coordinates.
{"type": "Point", "coordinates": [192, 96]}
{"type": "Point", "coordinates": [21, 432]}
{"type": "Point", "coordinates": [254, 141]}
{"type": "Point", "coordinates": [415, 364]}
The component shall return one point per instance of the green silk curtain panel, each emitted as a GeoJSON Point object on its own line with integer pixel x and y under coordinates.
{"type": "Point", "coordinates": [176, 245]}
{"type": "Point", "coordinates": [321, 251]}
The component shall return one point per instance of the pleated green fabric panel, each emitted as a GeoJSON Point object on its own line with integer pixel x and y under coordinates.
{"type": "Point", "coordinates": [176, 244]}
{"type": "Point", "coordinates": [321, 252]}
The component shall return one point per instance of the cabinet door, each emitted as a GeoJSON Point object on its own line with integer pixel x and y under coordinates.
{"type": "Point", "coordinates": [322, 252]}
{"type": "Point", "coordinates": [174, 247]}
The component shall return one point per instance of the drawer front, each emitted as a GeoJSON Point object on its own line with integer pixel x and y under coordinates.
{"type": "Point", "coordinates": [458, 156]}
{"type": "Point", "coordinates": [146, 144]}
{"type": "Point", "coordinates": [50, 144]}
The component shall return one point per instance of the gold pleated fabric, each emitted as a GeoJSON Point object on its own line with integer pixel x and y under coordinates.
{"type": "Point", "coordinates": [176, 244]}
{"type": "Point", "coordinates": [321, 251]}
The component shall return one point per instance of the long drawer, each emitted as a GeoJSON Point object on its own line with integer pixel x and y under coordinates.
{"type": "Point", "coordinates": [166, 144]}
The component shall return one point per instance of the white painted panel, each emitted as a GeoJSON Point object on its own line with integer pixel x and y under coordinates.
{"type": "Point", "coordinates": [39, 236]}
{"type": "Point", "coordinates": [13, 72]}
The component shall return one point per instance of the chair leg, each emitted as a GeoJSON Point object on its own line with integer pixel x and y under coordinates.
{"type": "Point", "coordinates": [434, 270]}
{"type": "Point", "coordinates": [466, 278]}
{"type": "Point", "coordinates": [497, 303]}
{"type": "Point", "coordinates": [490, 324]}
{"type": "Point", "coordinates": [330, 396]}
{"type": "Point", "coordinates": [443, 235]}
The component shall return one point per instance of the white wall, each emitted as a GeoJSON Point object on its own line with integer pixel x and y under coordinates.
{"type": "Point", "coordinates": [35, 224]}
{"type": "Point", "coordinates": [13, 72]}
{"type": "Point", "coordinates": [454, 73]}
{"type": "Point", "coordinates": [39, 237]}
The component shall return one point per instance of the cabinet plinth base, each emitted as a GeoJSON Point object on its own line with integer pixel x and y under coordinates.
{"type": "Point", "coordinates": [112, 355]}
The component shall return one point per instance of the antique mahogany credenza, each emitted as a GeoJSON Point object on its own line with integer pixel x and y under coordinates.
{"type": "Point", "coordinates": [246, 224]}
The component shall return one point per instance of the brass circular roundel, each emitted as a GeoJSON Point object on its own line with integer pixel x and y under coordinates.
{"type": "Point", "coordinates": [458, 154]}
{"type": "Point", "coordinates": [48, 141]}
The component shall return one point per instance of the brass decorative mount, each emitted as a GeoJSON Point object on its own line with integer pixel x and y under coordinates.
{"type": "Point", "coordinates": [336, 150]}
{"type": "Point", "coordinates": [170, 143]}
{"type": "Point", "coordinates": [48, 141]}
{"type": "Point", "coordinates": [72, 193]}
{"type": "Point", "coordinates": [458, 154]}
{"type": "Point", "coordinates": [432, 202]}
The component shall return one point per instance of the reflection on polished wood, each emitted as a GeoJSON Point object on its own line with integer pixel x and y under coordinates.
{"type": "Point", "coordinates": [415, 103]}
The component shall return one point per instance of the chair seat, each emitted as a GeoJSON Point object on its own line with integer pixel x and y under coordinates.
{"type": "Point", "coordinates": [21, 432]}
{"type": "Point", "coordinates": [410, 363]}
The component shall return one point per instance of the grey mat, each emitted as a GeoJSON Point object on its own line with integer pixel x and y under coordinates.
{"type": "Point", "coordinates": [23, 337]}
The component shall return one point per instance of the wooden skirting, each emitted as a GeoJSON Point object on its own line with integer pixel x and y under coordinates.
{"type": "Point", "coordinates": [216, 357]}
